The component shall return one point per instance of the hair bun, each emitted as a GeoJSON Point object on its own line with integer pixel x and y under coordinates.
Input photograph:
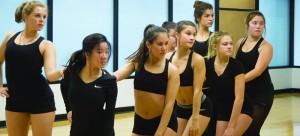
{"type": "Point", "coordinates": [198, 4]}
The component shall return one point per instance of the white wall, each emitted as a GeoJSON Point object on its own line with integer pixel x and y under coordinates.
{"type": "Point", "coordinates": [282, 79]}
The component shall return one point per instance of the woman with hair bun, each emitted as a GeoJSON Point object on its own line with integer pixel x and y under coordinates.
{"type": "Point", "coordinates": [204, 17]}
{"type": "Point", "coordinates": [29, 98]}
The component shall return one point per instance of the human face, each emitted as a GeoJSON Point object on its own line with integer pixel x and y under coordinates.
{"type": "Point", "coordinates": [36, 19]}
{"type": "Point", "coordinates": [256, 26]}
{"type": "Point", "coordinates": [225, 46]}
{"type": "Point", "coordinates": [187, 36]}
{"type": "Point", "coordinates": [172, 39]}
{"type": "Point", "coordinates": [99, 55]}
{"type": "Point", "coordinates": [158, 48]}
{"type": "Point", "coordinates": [207, 18]}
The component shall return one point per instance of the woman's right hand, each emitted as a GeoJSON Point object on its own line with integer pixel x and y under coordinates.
{"type": "Point", "coordinates": [69, 116]}
{"type": "Point", "coordinates": [4, 92]}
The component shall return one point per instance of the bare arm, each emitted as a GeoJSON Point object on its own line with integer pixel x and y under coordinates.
{"type": "Point", "coordinates": [199, 76]}
{"type": "Point", "coordinates": [125, 71]}
{"type": "Point", "coordinates": [172, 89]}
{"type": "Point", "coordinates": [239, 99]}
{"type": "Point", "coordinates": [263, 61]}
{"type": "Point", "coordinates": [2, 58]}
{"type": "Point", "coordinates": [49, 55]}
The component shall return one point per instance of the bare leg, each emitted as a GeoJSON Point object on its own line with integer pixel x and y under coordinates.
{"type": "Point", "coordinates": [17, 123]}
{"type": "Point", "coordinates": [242, 124]}
{"type": "Point", "coordinates": [42, 124]}
{"type": "Point", "coordinates": [181, 126]}
{"type": "Point", "coordinates": [203, 121]}
{"type": "Point", "coordinates": [221, 127]}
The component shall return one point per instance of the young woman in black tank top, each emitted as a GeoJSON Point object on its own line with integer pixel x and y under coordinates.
{"type": "Point", "coordinates": [255, 53]}
{"type": "Point", "coordinates": [154, 100]}
{"type": "Point", "coordinates": [190, 96]}
{"type": "Point", "coordinates": [204, 18]}
{"type": "Point", "coordinates": [29, 98]}
{"type": "Point", "coordinates": [225, 76]}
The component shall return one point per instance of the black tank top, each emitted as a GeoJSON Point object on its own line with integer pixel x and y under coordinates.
{"type": "Point", "coordinates": [201, 47]}
{"type": "Point", "coordinates": [23, 67]}
{"type": "Point", "coordinates": [249, 59]}
{"type": "Point", "coordinates": [187, 76]}
{"type": "Point", "coordinates": [152, 82]}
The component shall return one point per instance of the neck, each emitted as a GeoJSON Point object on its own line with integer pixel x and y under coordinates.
{"type": "Point", "coordinates": [203, 30]}
{"type": "Point", "coordinates": [29, 33]}
{"type": "Point", "coordinates": [182, 52]}
{"type": "Point", "coordinates": [88, 71]}
{"type": "Point", "coordinates": [221, 60]}
{"type": "Point", "coordinates": [253, 38]}
{"type": "Point", "coordinates": [154, 60]}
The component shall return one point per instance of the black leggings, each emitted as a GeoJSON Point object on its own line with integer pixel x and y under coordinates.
{"type": "Point", "coordinates": [262, 105]}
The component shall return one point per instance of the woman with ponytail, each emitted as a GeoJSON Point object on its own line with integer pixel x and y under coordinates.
{"type": "Point", "coordinates": [29, 98]}
{"type": "Point", "coordinates": [156, 84]}
{"type": "Point", "coordinates": [226, 77]}
{"type": "Point", "coordinates": [87, 87]}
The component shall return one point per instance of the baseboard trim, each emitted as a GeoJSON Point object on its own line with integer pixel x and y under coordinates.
{"type": "Point", "coordinates": [61, 117]}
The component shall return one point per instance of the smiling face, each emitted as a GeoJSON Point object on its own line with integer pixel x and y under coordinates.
{"type": "Point", "coordinates": [187, 36]}
{"type": "Point", "coordinates": [99, 55]}
{"type": "Point", "coordinates": [158, 48]}
{"type": "Point", "coordinates": [36, 19]}
{"type": "Point", "coordinates": [224, 47]}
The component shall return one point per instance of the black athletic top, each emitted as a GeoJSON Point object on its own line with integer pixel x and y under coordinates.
{"type": "Point", "coordinates": [249, 59]}
{"type": "Point", "coordinates": [92, 104]}
{"type": "Point", "coordinates": [152, 82]}
{"type": "Point", "coordinates": [223, 85]}
{"type": "Point", "coordinates": [23, 67]}
{"type": "Point", "coordinates": [201, 47]}
{"type": "Point", "coordinates": [187, 76]}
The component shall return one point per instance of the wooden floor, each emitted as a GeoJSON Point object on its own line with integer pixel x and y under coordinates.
{"type": "Point", "coordinates": [284, 119]}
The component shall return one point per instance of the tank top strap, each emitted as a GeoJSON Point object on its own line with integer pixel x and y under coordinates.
{"type": "Point", "coordinates": [166, 67]}
{"type": "Point", "coordinates": [170, 59]}
{"type": "Point", "coordinates": [38, 41]}
{"type": "Point", "coordinates": [259, 42]}
{"type": "Point", "coordinates": [243, 42]}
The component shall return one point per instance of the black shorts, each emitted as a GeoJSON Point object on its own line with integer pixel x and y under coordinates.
{"type": "Point", "coordinates": [185, 112]}
{"type": "Point", "coordinates": [224, 115]}
{"type": "Point", "coordinates": [32, 106]}
{"type": "Point", "coordinates": [149, 126]}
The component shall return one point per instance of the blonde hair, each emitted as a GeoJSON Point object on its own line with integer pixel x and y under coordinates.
{"type": "Point", "coordinates": [215, 39]}
{"type": "Point", "coordinates": [25, 9]}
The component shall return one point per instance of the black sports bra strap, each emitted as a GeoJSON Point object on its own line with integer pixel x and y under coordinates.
{"type": "Point", "coordinates": [190, 58]}
{"type": "Point", "coordinates": [170, 59]}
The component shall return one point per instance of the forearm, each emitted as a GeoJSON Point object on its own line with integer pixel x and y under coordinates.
{"type": "Point", "coordinates": [54, 75]}
{"type": "Point", "coordinates": [236, 111]}
{"type": "Point", "coordinates": [165, 118]}
{"type": "Point", "coordinates": [252, 75]}
{"type": "Point", "coordinates": [196, 104]}
{"type": "Point", "coordinates": [1, 81]}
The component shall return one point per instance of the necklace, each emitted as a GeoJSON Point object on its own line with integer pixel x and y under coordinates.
{"type": "Point", "coordinates": [25, 43]}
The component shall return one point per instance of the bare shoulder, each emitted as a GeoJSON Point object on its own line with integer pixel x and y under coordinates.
{"type": "Point", "coordinates": [46, 43]}
{"type": "Point", "coordinates": [197, 58]}
{"type": "Point", "coordinates": [8, 36]}
{"type": "Point", "coordinates": [172, 68]}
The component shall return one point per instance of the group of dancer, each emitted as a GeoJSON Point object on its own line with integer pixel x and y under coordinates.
{"type": "Point", "coordinates": [188, 81]}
